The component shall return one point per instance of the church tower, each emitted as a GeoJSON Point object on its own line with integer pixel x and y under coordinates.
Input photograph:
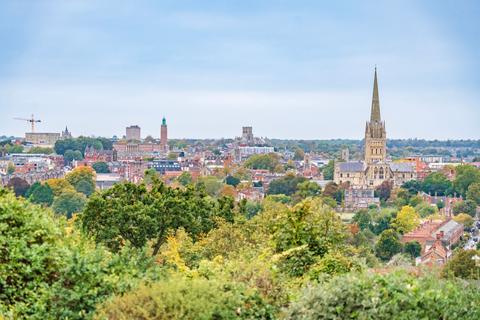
{"type": "Point", "coordinates": [375, 134]}
{"type": "Point", "coordinates": [164, 135]}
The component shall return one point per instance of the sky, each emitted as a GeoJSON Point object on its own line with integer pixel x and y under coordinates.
{"type": "Point", "coordinates": [291, 69]}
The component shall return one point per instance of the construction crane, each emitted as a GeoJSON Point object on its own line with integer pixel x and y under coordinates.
{"type": "Point", "coordinates": [32, 121]}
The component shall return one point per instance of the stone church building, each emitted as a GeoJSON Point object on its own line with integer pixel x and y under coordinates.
{"type": "Point", "coordinates": [376, 167]}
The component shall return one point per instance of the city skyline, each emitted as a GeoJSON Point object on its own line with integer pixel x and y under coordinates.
{"type": "Point", "coordinates": [299, 72]}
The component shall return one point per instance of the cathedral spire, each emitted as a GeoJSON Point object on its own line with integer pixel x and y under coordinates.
{"type": "Point", "coordinates": [375, 115]}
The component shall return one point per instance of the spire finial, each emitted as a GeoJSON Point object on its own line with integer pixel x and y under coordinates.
{"type": "Point", "coordinates": [375, 113]}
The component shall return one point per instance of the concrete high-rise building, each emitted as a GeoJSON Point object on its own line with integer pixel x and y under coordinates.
{"type": "Point", "coordinates": [164, 135]}
{"type": "Point", "coordinates": [133, 133]}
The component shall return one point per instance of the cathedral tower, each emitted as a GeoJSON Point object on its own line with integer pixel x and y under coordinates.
{"type": "Point", "coordinates": [375, 134]}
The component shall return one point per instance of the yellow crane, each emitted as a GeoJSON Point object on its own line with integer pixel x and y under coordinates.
{"type": "Point", "coordinates": [32, 121]}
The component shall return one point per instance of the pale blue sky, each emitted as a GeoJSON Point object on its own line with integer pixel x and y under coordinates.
{"type": "Point", "coordinates": [292, 69]}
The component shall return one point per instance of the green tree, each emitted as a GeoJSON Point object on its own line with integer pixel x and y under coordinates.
{"type": "Point", "coordinates": [233, 181]}
{"type": "Point", "coordinates": [179, 298]}
{"type": "Point", "coordinates": [82, 179]}
{"type": "Point", "coordinates": [299, 154]}
{"type": "Point", "coordinates": [412, 186]}
{"type": "Point", "coordinates": [10, 168]}
{"type": "Point", "coordinates": [461, 265]}
{"type": "Point", "coordinates": [101, 167]}
{"type": "Point", "coordinates": [473, 193]}
{"type": "Point", "coordinates": [413, 248]}
{"type": "Point", "coordinates": [328, 170]}
{"type": "Point", "coordinates": [30, 253]}
{"type": "Point", "coordinates": [71, 155]}
{"type": "Point", "coordinates": [130, 213]}
{"type": "Point", "coordinates": [263, 161]}
{"type": "Point", "coordinates": [388, 245]}
{"type": "Point", "coordinates": [286, 185]}
{"type": "Point", "coordinates": [307, 189]}
{"type": "Point", "coordinates": [395, 295]}
{"type": "Point", "coordinates": [211, 184]}
{"type": "Point", "coordinates": [19, 186]}
{"type": "Point", "coordinates": [467, 206]}
{"type": "Point", "coordinates": [438, 183]}
{"type": "Point", "coordinates": [363, 219]}
{"type": "Point", "coordinates": [464, 177]}
{"type": "Point", "coordinates": [40, 194]}
{"type": "Point", "coordinates": [41, 150]}
{"type": "Point", "coordinates": [185, 178]}
{"type": "Point", "coordinates": [69, 203]}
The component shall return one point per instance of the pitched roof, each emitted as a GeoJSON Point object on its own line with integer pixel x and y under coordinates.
{"type": "Point", "coordinates": [354, 166]}
{"type": "Point", "coordinates": [402, 167]}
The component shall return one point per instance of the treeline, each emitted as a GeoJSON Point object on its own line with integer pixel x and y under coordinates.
{"type": "Point", "coordinates": [74, 149]}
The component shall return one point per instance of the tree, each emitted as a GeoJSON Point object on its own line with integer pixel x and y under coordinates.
{"type": "Point", "coordinates": [82, 179]}
{"type": "Point", "coordinates": [41, 150]}
{"type": "Point", "coordinates": [437, 183]}
{"type": "Point", "coordinates": [130, 213]}
{"type": "Point", "coordinates": [465, 176]}
{"type": "Point", "coordinates": [69, 203]}
{"type": "Point", "coordinates": [413, 248]}
{"type": "Point", "coordinates": [393, 295]}
{"type": "Point", "coordinates": [328, 170]}
{"type": "Point", "coordinates": [312, 223]}
{"type": "Point", "coordinates": [467, 206]}
{"type": "Point", "coordinates": [263, 161]}
{"type": "Point", "coordinates": [19, 186]}
{"type": "Point", "coordinates": [384, 189]}
{"type": "Point", "coordinates": [412, 186]}
{"type": "Point", "coordinates": [233, 181]}
{"type": "Point", "coordinates": [299, 154]}
{"type": "Point", "coordinates": [286, 185]}
{"type": "Point", "coordinates": [10, 168]}
{"type": "Point", "coordinates": [307, 189]}
{"type": "Point", "coordinates": [185, 178]}
{"type": "Point", "coordinates": [40, 194]}
{"type": "Point", "coordinates": [30, 253]}
{"type": "Point", "coordinates": [333, 191]}
{"type": "Point", "coordinates": [212, 185]}
{"type": "Point", "coordinates": [71, 155]}
{"type": "Point", "coordinates": [101, 167]}
{"type": "Point", "coordinates": [388, 245]}
{"type": "Point", "coordinates": [464, 219]}
{"type": "Point", "coordinates": [473, 193]}
{"type": "Point", "coordinates": [462, 265]}
{"type": "Point", "coordinates": [59, 186]}
{"type": "Point", "coordinates": [407, 220]}
{"type": "Point", "coordinates": [363, 219]}
{"type": "Point", "coordinates": [425, 209]}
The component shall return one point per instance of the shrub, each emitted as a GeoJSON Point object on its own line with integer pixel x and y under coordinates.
{"type": "Point", "coordinates": [181, 298]}
{"type": "Point", "coordinates": [390, 296]}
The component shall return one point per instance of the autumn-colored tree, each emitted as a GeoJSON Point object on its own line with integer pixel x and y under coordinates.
{"type": "Point", "coordinates": [82, 179]}
{"type": "Point", "coordinates": [407, 220]}
{"type": "Point", "coordinates": [464, 219]}
{"type": "Point", "coordinates": [59, 186]}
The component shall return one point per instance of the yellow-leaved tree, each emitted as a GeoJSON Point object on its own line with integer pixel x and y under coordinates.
{"type": "Point", "coordinates": [407, 220]}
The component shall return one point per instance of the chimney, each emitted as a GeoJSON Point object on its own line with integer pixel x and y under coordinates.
{"type": "Point", "coordinates": [439, 236]}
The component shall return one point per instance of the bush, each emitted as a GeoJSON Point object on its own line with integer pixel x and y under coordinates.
{"type": "Point", "coordinates": [180, 298]}
{"type": "Point", "coordinates": [390, 296]}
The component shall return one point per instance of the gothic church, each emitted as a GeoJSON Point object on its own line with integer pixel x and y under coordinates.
{"type": "Point", "coordinates": [376, 167]}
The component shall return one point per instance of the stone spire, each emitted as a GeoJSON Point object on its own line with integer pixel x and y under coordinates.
{"type": "Point", "coordinates": [375, 114]}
